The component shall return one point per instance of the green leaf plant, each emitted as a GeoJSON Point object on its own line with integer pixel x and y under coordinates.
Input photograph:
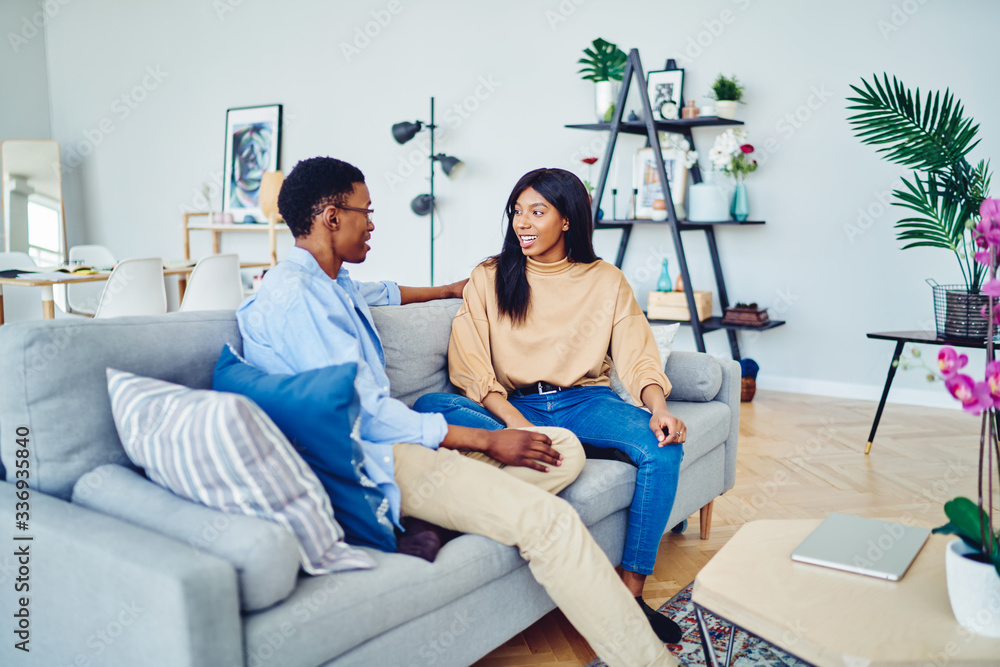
{"type": "Point", "coordinates": [932, 138]}
{"type": "Point", "coordinates": [970, 522]}
{"type": "Point", "coordinates": [604, 62]}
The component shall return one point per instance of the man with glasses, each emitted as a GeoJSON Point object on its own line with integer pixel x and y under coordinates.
{"type": "Point", "coordinates": [309, 314]}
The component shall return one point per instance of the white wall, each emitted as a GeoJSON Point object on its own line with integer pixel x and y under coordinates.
{"type": "Point", "coordinates": [797, 60]}
{"type": "Point", "coordinates": [24, 90]}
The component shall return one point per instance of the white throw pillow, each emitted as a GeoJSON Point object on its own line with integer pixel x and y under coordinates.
{"type": "Point", "coordinates": [664, 335]}
{"type": "Point", "coordinates": [221, 450]}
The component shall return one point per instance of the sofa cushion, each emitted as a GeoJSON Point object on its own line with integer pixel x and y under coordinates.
{"type": "Point", "coordinates": [317, 411]}
{"type": "Point", "coordinates": [664, 335]}
{"type": "Point", "coordinates": [265, 555]}
{"type": "Point", "coordinates": [221, 450]}
{"type": "Point", "coordinates": [54, 382]}
{"type": "Point", "coordinates": [415, 340]}
{"type": "Point", "coordinates": [695, 377]}
{"type": "Point", "coordinates": [366, 604]}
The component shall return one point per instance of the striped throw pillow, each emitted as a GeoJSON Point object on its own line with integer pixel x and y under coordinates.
{"type": "Point", "coordinates": [222, 451]}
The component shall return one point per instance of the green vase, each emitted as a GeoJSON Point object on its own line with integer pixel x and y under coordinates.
{"type": "Point", "coordinates": [664, 284]}
{"type": "Point", "coordinates": [740, 209]}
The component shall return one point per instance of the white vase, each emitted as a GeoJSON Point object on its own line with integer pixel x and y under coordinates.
{"type": "Point", "coordinates": [726, 109]}
{"type": "Point", "coordinates": [974, 590]}
{"type": "Point", "coordinates": [708, 201]}
{"type": "Point", "coordinates": [605, 97]}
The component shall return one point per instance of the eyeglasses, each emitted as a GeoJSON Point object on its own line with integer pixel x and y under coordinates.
{"type": "Point", "coordinates": [369, 212]}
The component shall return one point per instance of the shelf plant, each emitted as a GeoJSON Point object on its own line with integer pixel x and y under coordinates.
{"type": "Point", "coordinates": [726, 89]}
{"type": "Point", "coordinates": [932, 137]}
{"type": "Point", "coordinates": [604, 64]}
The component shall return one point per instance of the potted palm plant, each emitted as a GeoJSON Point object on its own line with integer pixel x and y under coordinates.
{"type": "Point", "coordinates": [604, 64]}
{"type": "Point", "coordinates": [972, 563]}
{"type": "Point", "coordinates": [933, 138]}
{"type": "Point", "coordinates": [727, 93]}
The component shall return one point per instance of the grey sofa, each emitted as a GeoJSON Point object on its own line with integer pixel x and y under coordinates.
{"type": "Point", "coordinates": [122, 572]}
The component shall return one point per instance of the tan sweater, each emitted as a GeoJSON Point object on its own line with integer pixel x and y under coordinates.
{"type": "Point", "coordinates": [579, 314]}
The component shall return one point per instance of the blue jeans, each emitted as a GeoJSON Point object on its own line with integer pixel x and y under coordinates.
{"type": "Point", "coordinates": [600, 418]}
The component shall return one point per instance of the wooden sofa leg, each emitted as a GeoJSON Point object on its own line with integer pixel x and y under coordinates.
{"type": "Point", "coordinates": [705, 519]}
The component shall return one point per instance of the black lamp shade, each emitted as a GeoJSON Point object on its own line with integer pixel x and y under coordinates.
{"type": "Point", "coordinates": [403, 132]}
{"type": "Point", "coordinates": [422, 204]}
{"type": "Point", "coordinates": [452, 166]}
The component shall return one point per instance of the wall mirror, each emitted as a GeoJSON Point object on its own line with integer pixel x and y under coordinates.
{"type": "Point", "coordinates": [31, 187]}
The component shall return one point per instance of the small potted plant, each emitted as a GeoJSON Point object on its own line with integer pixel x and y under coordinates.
{"type": "Point", "coordinates": [727, 93]}
{"type": "Point", "coordinates": [604, 64]}
{"type": "Point", "coordinates": [972, 563]}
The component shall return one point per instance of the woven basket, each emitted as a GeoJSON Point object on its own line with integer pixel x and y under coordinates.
{"type": "Point", "coordinates": [748, 387]}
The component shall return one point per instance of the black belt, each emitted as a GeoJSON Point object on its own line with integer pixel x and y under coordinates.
{"type": "Point", "coordinates": [539, 388]}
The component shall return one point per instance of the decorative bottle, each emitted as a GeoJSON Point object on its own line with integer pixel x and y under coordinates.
{"type": "Point", "coordinates": [664, 283]}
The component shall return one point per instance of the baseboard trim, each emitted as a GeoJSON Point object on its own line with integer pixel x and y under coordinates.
{"type": "Point", "coordinates": [935, 398]}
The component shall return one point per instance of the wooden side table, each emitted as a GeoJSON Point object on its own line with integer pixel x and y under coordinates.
{"type": "Point", "coordinates": [902, 338]}
{"type": "Point", "coordinates": [829, 617]}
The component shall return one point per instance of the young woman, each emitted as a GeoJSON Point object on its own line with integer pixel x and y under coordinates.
{"type": "Point", "coordinates": [530, 346]}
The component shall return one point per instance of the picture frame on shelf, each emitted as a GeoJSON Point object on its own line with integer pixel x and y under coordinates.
{"type": "Point", "coordinates": [666, 93]}
{"type": "Point", "coordinates": [253, 147]}
{"type": "Point", "coordinates": [646, 181]}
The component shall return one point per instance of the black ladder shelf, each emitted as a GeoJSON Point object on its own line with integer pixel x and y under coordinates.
{"type": "Point", "coordinates": [650, 128]}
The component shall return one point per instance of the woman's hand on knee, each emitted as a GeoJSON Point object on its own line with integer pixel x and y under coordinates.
{"type": "Point", "coordinates": [668, 429]}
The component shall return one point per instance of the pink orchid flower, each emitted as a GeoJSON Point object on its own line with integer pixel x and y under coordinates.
{"type": "Point", "coordinates": [993, 380]}
{"type": "Point", "coordinates": [950, 361]}
{"type": "Point", "coordinates": [975, 397]}
{"type": "Point", "coordinates": [992, 288]}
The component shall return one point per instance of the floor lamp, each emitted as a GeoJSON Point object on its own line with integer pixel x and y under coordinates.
{"type": "Point", "coordinates": [452, 166]}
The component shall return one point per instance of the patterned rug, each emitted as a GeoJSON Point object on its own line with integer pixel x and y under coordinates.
{"type": "Point", "coordinates": [748, 651]}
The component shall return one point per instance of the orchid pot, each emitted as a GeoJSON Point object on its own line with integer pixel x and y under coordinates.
{"type": "Point", "coordinates": [973, 589]}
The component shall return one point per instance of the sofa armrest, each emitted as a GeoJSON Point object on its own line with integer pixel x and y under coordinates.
{"type": "Point", "coordinates": [700, 377]}
{"type": "Point", "coordinates": [729, 393]}
{"type": "Point", "coordinates": [104, 592]}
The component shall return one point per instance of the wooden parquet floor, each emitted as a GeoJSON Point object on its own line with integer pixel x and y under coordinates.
{"type": "Point", "coordinates": [799, 457]}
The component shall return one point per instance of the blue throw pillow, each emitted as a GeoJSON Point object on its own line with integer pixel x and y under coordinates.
{"type": "Point", "coordinates": [316, 411]}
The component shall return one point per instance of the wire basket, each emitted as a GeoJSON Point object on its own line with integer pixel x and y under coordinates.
{"type": "Point", "coordinates": [959, 314]}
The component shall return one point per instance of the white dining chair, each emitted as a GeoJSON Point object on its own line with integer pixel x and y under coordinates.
{"type": "Point", "coordinates": [83, 297]}
{"type": "Point", "coordinates": [135, 287]}
{"type": "Point", "coordinates": [22, 303]}
{"type": "Point", "coordinates": [215, 284]}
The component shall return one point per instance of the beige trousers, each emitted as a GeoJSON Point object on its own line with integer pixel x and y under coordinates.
{"type": "Point", "coordinates": [516, 506]}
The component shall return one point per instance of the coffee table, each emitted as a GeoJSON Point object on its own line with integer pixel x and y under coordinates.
{"type": "Point", "coordinates": [828, 617]}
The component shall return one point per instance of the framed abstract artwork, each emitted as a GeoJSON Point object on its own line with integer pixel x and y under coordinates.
{"type": "Point", "coordinates": [253, 146]}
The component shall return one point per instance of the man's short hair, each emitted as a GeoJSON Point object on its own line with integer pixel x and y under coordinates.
{"type": "Point", "coordinates": [311, 185]}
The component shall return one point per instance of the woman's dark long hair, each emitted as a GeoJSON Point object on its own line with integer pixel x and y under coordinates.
{"type": "Point", "coordinates": [563, 190]}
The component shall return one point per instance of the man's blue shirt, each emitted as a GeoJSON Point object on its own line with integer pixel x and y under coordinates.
{"type": "Point", "coordinates": [300, 320]}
